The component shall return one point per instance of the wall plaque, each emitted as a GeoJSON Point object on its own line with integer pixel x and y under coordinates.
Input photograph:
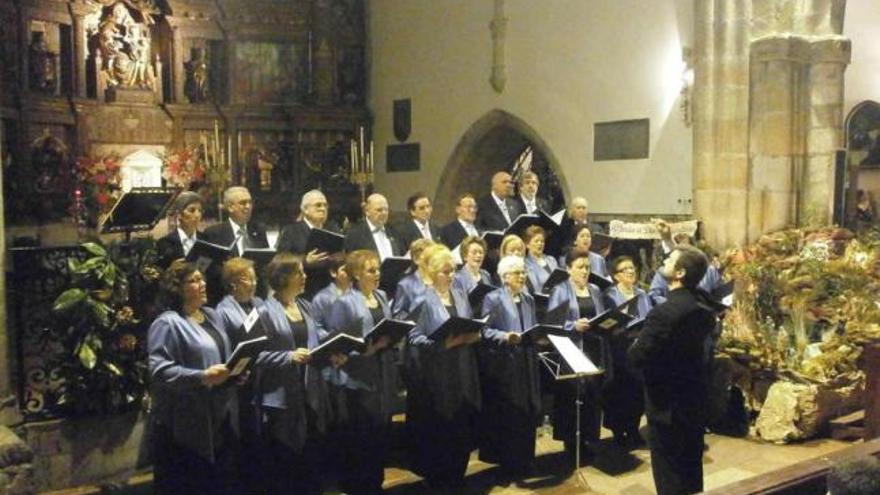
{"type": "Point", "coordinates": [403, 157]}
{"type": "Point", "coordinates": [621, 140]}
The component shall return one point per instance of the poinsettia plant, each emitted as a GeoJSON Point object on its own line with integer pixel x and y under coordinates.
{"type": "Point", "coordinates": [183, 168]}
{"type": "Point", "coordinates": [98, 187]}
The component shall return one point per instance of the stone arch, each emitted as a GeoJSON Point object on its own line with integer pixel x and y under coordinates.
{"type": "Point", "coordinates": [494, 141]}
{"type": "Point", "coordinates": [862, 128]}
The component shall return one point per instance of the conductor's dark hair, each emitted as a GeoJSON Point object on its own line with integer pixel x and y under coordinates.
{"type": "Point", "coordinates": [411, 201]}
{"type": "Point", "coordinates": [693, 262]}
{"type": "Point", "coordinates": [855, 476]}
{"type": "Point", "coordinates": [171, 285]}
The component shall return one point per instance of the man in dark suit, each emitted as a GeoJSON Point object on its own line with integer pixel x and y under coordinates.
{"type": "Point", "coordinates": [372, 233]}
{"type": "Point", "coordinates": [497, 210]}
{"type": "Point", "coordinates": [674, 352]}
{"type": "Point", "coordinates": [528, 200]}
{"type": "Point", "coordinates": [294, 239]}
{"type": "Point", "coordinates": [237, 229]}
{"type": "Point", "coordinates": [419, 225]}
{"type": "Point", "coordinates": [466, 213]}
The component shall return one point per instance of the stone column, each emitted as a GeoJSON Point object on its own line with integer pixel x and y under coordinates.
{"type": "Point", "coordinates": [828, 60]}
{"type": "Point", "coordinates": [721, 118]}
{"type": "Point", "coordinates": [778, 69]}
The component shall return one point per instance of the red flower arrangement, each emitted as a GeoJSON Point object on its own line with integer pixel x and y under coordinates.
{"type": "Point", "coordinates": [98, 187]}
{"type": "Point", "coordinates": [183, 168]}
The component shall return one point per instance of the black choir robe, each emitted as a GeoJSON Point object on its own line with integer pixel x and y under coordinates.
{"type": "Point", "coordinates": [596, 347]}
{"type": "Point", "coordinates": [444, 398]}
{"type": "Point", "coordinates": [510, 384]}
{"type": "Point", "coordinates": [368, 385]}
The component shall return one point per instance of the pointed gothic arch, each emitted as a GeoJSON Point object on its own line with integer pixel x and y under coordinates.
{"type": "Point", "coordinates": [490, 144]}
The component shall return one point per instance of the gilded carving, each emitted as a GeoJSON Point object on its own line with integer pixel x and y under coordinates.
{"type": "Point", "coordinates": [123, 44]}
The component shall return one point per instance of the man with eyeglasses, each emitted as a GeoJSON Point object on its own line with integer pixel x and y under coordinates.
{"type": "Point", "coordinates": [238, 227]}
{"type": "Point", "coordinates": [466, 213]}
{"type": "Point", "coordinates": [294, 238]}
{"type": "Point", "coordinates": [373, 233]}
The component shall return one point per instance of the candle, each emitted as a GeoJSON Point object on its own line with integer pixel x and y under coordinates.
{"type": "Point", "coordinates": [351, 154]}
{"type": "Point", "coordinates": [239, 145]}
{"type": "Point", "coordinates": [371, 158]}
{"type": "Point", "coordinates": [229, 148]}
{"type": "Point", "coordinates": [361, 139]}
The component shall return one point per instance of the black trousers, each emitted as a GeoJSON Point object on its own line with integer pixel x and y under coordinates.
{"type": "Point", "coordinates": [364, 442]}
{"type": "Point", "coordinates": [178, 470]}
{"type": "Point", "coordinates": [676, 457]}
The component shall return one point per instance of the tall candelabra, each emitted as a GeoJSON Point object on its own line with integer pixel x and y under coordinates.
{"type": "Point", "coordinates": [361, 157]}
{"type": "Point", "coordinates": [218, 163]}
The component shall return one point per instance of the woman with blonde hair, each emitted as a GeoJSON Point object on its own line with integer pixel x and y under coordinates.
{"type": "Point", "coordinates": [444, 401]}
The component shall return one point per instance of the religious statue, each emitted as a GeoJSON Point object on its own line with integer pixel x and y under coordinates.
{"type": "Point", "coordinates": [197, 80]}
{"type": "Point", "coordinates": [125, 50]}
{"type": "Point", "coordinates": [43, 74]}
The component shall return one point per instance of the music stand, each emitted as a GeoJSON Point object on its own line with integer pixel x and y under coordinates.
{"type": "Point", "coordinates": [567, 362]}
{"type": "Point", "coordinates": [138, 210]}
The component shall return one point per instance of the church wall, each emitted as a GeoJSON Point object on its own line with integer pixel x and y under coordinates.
{"type": "Point", "coordinates": [569, 64]}
{"type": "Point", "coordinates": [862, 25]}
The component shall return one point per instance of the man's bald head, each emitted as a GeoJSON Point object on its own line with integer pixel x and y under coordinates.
{"type": "Point", "coordinates": [502, 185]}
{"type": "Point", "coordinates": [376, 209]}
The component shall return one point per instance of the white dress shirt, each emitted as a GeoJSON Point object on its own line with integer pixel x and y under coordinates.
{"type": "Point", "coordinates": [383, 244]}
{"type": "Point", "coordinates": [425, 229]}
{"type": "Point", "coordinates": [185, 241]}
{"type": "Point", "coordinates": [468, 227]}
{"type": "Point", "coordinates": [239, 232]}
{"type": "Point", "coordinates": [502, 205]}
{"type": "Point", "coordinates": [531, 204]}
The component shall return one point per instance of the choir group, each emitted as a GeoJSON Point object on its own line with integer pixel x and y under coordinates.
{"type": "Point", "coordinates": [294, 422]}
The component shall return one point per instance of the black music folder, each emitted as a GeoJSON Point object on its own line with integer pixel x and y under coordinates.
{"type": "Point", "coordinates": [599, 281]}
{"type": "Point", "coordinates": [260, 256]}
{"type": "Point", "coordinates": [557, 315]}
{"type": "Point", "coordinates": [613, 318]}
{"type": "Point", "coordinates": [521, 223]}
{"type": "Point", "coordinates": [391, 328]}
{"type": "Point", "coordinates": [478, 293]}
{"type": "Point", "coordinates": [244, 355]}
{"type": "Point", "coordinates": [557, 276]}
{"type": "Point", "coordinates": [456, 326]}
{"type": "Point", "coordinates": [204, 254]}
{"type": "Point", "coordinates": [551, 222]}
{"type": "Point", "coordinates": [325, 241]}
{"type": "Point", "coordinates": [341, 343]}
{"type": "Point", "coordinates": [493, 238]}
{"type": "Point", "coordinates": [537, 334]}
{"type": "Point", "coordinates": [392, 270]}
